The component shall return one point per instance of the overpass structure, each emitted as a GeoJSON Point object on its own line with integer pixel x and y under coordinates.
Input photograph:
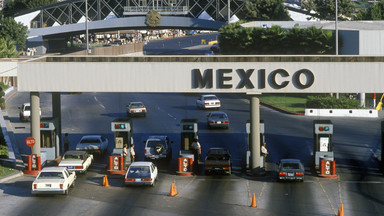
{"type": "Point", "coordinates": [251, 75]}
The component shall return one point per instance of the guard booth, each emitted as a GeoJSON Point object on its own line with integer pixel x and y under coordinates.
{"type": "Point", "coordinates": [262, 140]}
{"type": "Point", "coordinates": [322, 141]}
{"type": "Point", "coordinates": [122, 131]}
{"type": "Point", "coordinates": [189, 131]}
{"type": "Point", "coordinates": [49, 140]}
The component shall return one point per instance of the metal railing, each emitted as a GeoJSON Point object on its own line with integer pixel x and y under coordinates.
{"type": "Point", "coordinates": [131, 10]}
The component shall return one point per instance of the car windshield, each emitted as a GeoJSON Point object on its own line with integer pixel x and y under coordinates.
{"type": "Point", "coordinates": [73, 156]}
{"type": "Point", "coordinates": [137, 105]}
{"type": "Point", "coordinates": [139, 172]}
{"type": "Point", "coordinates": [291, 165]}
{"type": "Point", "coordinates": [27, 108]}
{"type": "Point", "coordinates": [90, 140]}
{"type": "Point", "coordinates": [210, 98]}
{"type": "Point", "coordinates": [218, 116]}
{"type": "Point", "coordinates": [51, 175]}
{"type": "Point", "coordinates": [154, 143]}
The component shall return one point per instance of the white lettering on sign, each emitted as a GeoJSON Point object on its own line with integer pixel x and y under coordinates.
{"type": "Point", "coordinates": [185, 164]}
{"type": "Point", "coordinates": [327, 168]}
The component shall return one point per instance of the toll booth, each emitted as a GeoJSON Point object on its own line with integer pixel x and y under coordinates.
{"type": "Point", "coordinates": [122, 131]}
{"type": "Point", "coordinates": [49, 140]}
{"type": "Point", "coordinates": [189, 131]}
{"type": "Point", "coordinates": [322, 141]}
{"type": "Point", "coordinates": [262, 140]}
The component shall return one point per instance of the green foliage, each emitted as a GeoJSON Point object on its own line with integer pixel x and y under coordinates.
{"type": "Point", "coordinates": [15, 6]}
{"type": "Point", "coordinates": [265, 10]}
{"type": "Point", "coordinates": [318, 102]}
{"type": "Point", "coordinates": [8, 49]}
{"type": "Point", "coordinates": [153, 18]}
{"type": "Point", "coordinates": [326, 10]}
{"type": "Point", "coordinates": [275, 40]}
{"type": "Point", "coordinates": [375, 12]}
{"type": "Point", "coordinates": [13, 31]}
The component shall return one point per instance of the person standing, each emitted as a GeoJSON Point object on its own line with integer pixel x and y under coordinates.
{"type": "Point", "coordinates": [66, 142]}
{"type": "Point", "coordinates": [132, 149]}
{"type": "Point", "coordinates": [125, 154]}
{"type": "Point", "coordinates": [264, 152]}
{"type": "Point", "coordinates": [197, 152]}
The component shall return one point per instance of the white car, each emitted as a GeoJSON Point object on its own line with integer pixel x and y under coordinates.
{"type": "Point", "coordinates": [136, 108]}
{"type": "Point", "coordinates": [78, 161]}
{"type": "Point", "coordinates": [25, 112]}
{"type": "Point", "coordinates": [208, 101]}
{"type": "Point", "coordinates": [53, 180]}
{"type": "Point", "coordinates": [141, 173]}
{"type": "Point", "coordinates": [93, 144]}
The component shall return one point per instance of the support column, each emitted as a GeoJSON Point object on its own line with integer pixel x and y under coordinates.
{"type": "Point", "coordinates": [56, 114]}
{"type": "Point", "coordinates": [362, 99]}
{"type": "Point", "coordinates": [255, 165]}
{"type": "Point", "coordinates": [35, 121]}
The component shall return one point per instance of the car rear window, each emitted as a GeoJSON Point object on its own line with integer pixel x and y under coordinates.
{"type": "Point", "coordinates": [90, 140]}
{"type": "Point", "coordinates": [291, 165]}
{"type": "Point", "coordinates": [210, 98]}
{"type": "Point", "coordinates": [51, 175]}
{"type": "Point", "coordinates": [154, 143]}
{"type": "Point", "coordinates": [139, 172]}
{"type": "Point", "coordinates": [218, 116]}
{"type": "Point", "coordinates": [75, 157]}
{"type": "Point", "coordinates": [133, 106]}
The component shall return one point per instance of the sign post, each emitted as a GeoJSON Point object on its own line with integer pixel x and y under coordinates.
{"type": "Point", "coordinates": [30, 141]}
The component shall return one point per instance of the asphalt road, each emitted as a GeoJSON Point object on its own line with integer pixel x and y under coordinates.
{"type": "Point", "coordinates": [358, 187]}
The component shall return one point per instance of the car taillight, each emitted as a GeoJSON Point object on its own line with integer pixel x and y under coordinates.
{"type": "Point", "coordinates": [206, 103]}
{"type": "Point", "coordinates": [61, 186]}
{"type": "Point", "coordinates": [131, 111]}
{"type": "Point", "coordinates": [217, 103]}
{"type": "Point", "coordinates": [212, 122]}
{"type": "Point", "coordinates": [34, 186]}
{"type": "Point", "coordinates": [98, 151]}
{"type": "Point", "coordinates": [282, 173]}
{"type": "Point", "coordinates": [226, 122]}
{"type": "Point", "coordinates": [145, 151]}
{"type": "Point", "coordinates": [78, 167]}
{"type": "Point", "coordinates": [299, 174]}
{"type": "Point", "coordinates": [226, 168]}
{"type": "Point", "coordinates": [146, 179]}
{"type": "Point", "coordinates": [143, 110]}
{"type": "Point", "coordinates": [129, 180]}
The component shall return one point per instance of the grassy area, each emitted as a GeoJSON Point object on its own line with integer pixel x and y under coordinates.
{"type": "Point", "coordinates": [4, 171]}
{"type": "Point", "coordinates": [289, 103]}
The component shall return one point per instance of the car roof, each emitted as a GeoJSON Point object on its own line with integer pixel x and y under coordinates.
{"type": "Point", "coordinates": [75, 152]}
{"type": "Point", "coordinates": [27, 104]}
{"type": "Point", "coordinates": [290, 160]}
{"type": "Point", "coordinates": [53, 169]}
{"type": "Point", "coordinates": [208, 95]}
{"type": "Point", "coordinates": [159, 137]}
{"type": "Point", "coordinates": [91, 136]}
{"type": "Point", "coordinates": [136, 102]}
{"type": "Point", "coordinates": [217, 148]}
{"type": "Point", "coordinates": [141, 163]}
{"type": "Point", "coordinates": [218, 112]}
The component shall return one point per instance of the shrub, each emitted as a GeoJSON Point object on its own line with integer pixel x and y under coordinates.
{"type": "Point", "coordinates": [318, 102]}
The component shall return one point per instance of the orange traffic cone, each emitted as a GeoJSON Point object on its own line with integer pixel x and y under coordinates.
{"type": "Point", "coordinates": [173, 190]}
{"type": "Point", "coordinates": [253, 204]}
{"type": "Point", "coordinates": [105, 181]}
{"type": "Point", "coordinates": [341, 210]}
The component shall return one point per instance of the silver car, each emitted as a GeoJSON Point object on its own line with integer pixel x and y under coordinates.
{"type": "Point", "coordinates": [218, 120]}
{"type": "Point", "coordinates": [136, 109]}
{"type": "Point", "coordinates": [290, 170]}
{"type": "Point", "coordinates": [141, 173]}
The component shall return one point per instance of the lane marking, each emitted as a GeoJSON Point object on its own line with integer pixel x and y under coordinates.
{"type": "Point", "coordinates": [98, 102]}
{"type": "Point", "coordinates": [326, 195]}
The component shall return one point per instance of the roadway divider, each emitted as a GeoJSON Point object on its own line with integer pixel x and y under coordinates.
{"type": "Point", "coordinates": [370, 113]}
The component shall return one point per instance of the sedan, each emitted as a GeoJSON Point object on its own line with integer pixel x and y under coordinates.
{"type": "Point", "coordinates": [53, 180]}
{"type": "Point", "coordinates": [217, 120]}
{"type": "Point", "coordinates": [93, 144]}
{"type": "Point", "coordinates": [208, 101]}
{"type": "Point", "coordinates": [78, 161]}
{"type": "Point", "coordinates": [290, 170]}
{"type": "Point", "coordinates": [141, 173]}
{"type": "Point", "coordinates": [136, 108]}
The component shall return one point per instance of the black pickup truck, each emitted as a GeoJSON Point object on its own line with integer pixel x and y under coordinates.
{"type": "Point", "coordinates": [218, 160]}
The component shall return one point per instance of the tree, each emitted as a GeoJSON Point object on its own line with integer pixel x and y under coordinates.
{"type": "Point", "coordinates": [13, 31]}
{"type": "Point", "coordinates": [374, 12]}
{"type": "Point", "coordinates": [326, 10]}
{"type": "Point", "coordinates": [265, 10]}
{"type": "Point", "coordinates": [15, 6]}
{"type": "Point", "coordinates": [153, 18]}
{"type": "Point", "coordinates": [8, 49]}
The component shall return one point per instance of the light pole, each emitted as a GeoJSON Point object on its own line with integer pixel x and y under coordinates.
{"type": "Point", "coordinates": [86, 27]}
{"type": "Point", "coordinates": [337, 32]}
{"type": "Point", "coordinates": [229, 10]}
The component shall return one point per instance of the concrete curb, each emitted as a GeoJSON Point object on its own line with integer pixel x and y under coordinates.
{"type": "Point", "coordinates": [12, 176]}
